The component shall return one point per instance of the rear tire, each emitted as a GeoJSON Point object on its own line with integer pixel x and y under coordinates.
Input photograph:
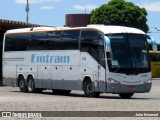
{"type": "Point", "coordinates": [31, 85]}
{"type": "Point", "coordinates": [88, 89]}
{"type": "Point", "coordinates": [22, 84]}
{"type": "Point", "coordinates": [126, 95]}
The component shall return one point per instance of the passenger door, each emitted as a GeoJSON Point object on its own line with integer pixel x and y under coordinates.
{"type": "Point", "coordinates": [101, 69]}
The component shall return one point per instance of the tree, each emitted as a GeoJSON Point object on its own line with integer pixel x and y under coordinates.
{"type": "Point", "coordinates": [120, 12]}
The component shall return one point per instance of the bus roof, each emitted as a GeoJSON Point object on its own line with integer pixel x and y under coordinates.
{"type": "Point", "coordinates": [116, 29]}
{"type": "Point", "coordinates": [103, 28]}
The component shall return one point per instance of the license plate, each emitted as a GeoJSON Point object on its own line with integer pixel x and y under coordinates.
{"type": "Point", "coordinates": [131, 87]}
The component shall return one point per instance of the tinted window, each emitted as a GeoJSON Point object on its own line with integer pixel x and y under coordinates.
{"type": "Point", "coordinates": [53, 40]}
{"type": "Point", "coordinates": [128, 54]}
{"type": "Point", "coordinates": [119, 57]}
{"type": "Point", "coordinates": [17, 42]}
{"type": "Point", "coordinates": [89, 43]}
{"type": "Point", "coordinates": [138, 50]}
{"type": "Point", "coordinates": [38, 41]}
{"type": "Point", "coordinates": [70, 39]}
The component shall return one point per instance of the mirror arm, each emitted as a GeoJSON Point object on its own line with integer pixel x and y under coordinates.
{"type": "Point", "coordinates": [153, 43]}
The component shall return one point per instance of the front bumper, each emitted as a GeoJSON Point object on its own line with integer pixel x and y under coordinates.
{"type": "Point", "coordinates": [121, 88]}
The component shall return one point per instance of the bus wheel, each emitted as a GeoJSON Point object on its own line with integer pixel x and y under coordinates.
{"type": "Point", "coordinates": [22, 84]}
{"type": "Point", "coordinates": [126, 95]}
{"type": "Point", "coordinates": [31, 85]}
{"type": "Point", "coordinates": [88, 89]}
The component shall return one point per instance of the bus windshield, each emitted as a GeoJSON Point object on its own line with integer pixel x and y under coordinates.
{"type": "Point", "coordinates": [129, 54]}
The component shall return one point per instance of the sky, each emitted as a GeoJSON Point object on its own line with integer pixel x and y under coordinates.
{"type": "Point", "coordinates": [52, 12]}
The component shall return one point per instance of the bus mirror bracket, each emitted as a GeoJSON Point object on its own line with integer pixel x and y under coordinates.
{"type": "Point", "coordinates": [107, 44]}
{"type": "Point", "coordinates": [153, 43]}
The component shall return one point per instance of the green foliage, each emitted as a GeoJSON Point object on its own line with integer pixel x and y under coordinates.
{"type": "Point", "coordinates": [120, 12]}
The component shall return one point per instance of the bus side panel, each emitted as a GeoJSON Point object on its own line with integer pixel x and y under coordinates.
{"type": "Point", "coordinates": [57, 77]}
{"type": "Point", "coordinates": [9, 75]}
{"type": "Point", "coordinates": [70, 77]}
{"type": "Point", "coordinates": [101, 80]}
{"type": "Point", "coordinates": [90, 67]}
{"type": "Point", "coordinates": [57, 69]}
{"type": "Point", "coordinates": [45, 76]}
{"type": "Point", "coordinates": [15, 63]}
{"type": "Point", "coordinates": [66, 75]}
{"type": "Point", "coordinates": [9, 70]}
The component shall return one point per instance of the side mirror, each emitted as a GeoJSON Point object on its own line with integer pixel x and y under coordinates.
{"type": "Point", "coordinates": [108, 44]}
{"type": "Point", "coordinates": [153, 43]}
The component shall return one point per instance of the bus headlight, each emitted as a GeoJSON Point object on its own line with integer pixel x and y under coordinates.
{"type": "Point", "coordinates": [113, 81]}
{"type": "Point", "coordinates": [148, 81]}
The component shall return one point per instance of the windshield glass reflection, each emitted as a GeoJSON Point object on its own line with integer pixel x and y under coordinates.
{"type": "Point", "coordinates": [128, 53]}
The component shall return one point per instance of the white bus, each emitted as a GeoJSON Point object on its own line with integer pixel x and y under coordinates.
{"type": "Point", "coordinates": [95, 59]}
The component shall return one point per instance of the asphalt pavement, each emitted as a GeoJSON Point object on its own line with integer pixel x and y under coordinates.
{"type": "Point", "coordinates": [11, 99]}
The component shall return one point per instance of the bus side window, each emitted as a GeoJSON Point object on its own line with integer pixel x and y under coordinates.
{"type": "Point", "coordinates": [16, 42]}
{"type": "Point", "coordinates": [53, 41]}
{"type": "Point", "coordinates": [37, 41]}
{"type": "Point", "coordinates": [70, 39]}
{"type": "Point", "coordinates": [93, 43]}
{"type": "Point", "coordinates": [89, 43]}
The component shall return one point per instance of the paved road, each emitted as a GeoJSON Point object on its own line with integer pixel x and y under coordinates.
{"type": "Point", "coordinates": [11, 99]}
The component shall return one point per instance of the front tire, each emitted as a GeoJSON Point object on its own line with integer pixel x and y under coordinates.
{"type": "Point", "coordinates": [22, 84]}
{"type": "Point", "coordinates": [88, 89]}
{"type": "Point", "coordinates": [126, 95]}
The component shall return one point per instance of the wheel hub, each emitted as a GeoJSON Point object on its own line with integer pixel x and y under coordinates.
{"type": "Point", "coordinates": [89, 88]}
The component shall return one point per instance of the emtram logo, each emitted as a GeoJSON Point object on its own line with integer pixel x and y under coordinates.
{"type": "Point", "coordinates": [49, 59]}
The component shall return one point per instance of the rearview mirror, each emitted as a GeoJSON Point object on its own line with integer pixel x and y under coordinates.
{"type": "Point", "coordinates": [108, 44]}
{"type": "Point", "coordinates": [153, 43]}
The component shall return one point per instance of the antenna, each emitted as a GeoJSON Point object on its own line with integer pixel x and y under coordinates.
{"type": "Point", "coordinates": [27, 11]}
